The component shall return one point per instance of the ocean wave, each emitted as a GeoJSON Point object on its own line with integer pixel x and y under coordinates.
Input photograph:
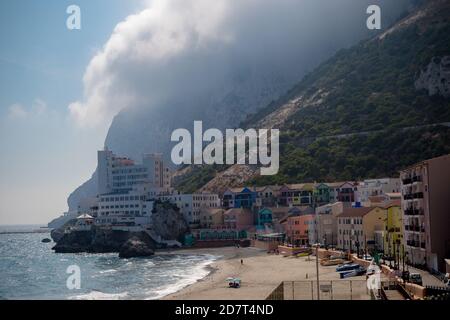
{"type": "Point", "coordinates": [98, 295]}
{"type": "Point", "coordinates": [195, 274]}
{"type": "Point", "coordinates": [108, 271]}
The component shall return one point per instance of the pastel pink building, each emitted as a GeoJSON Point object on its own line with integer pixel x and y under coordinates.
{"type": "Point", "coordinates": [296, 228]}
{"type": "Point", "coordinates": [238, 218]}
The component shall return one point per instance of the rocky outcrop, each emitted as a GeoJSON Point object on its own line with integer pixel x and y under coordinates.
{"type": "Point", "coordinates": [135, 247]}
{"type": "Point", "coordinates": [100, 240]}
{"type": "Point", "coordinates": [168, 222]}
{"type": "Point", "coordinates": [58, 233]}
{"type": "Point", "coordinates": [435, 78]}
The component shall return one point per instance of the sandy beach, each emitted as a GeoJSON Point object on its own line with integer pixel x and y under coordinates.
{"type": "Point", "coordinates": [260, 273]}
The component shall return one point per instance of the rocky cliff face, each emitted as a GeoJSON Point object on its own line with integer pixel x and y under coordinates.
{"type": "Point", "coordinates": [366, 112]}
{"type": "Point", "coordinates": [435, 78]}
{"type": "Point", "coordinates": [168, 222]}
{"type": "Point", "coordinates": [102, 241]}
{"type": "Point", "coordinates": [261, 61]}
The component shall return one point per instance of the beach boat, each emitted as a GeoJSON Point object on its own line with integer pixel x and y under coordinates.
{"type": "Point", "coordinates": [347, 267]}
{"type": "Point", "coordinates": [352, 273]}
{"type": "Point", "coordinates": [234, 282]}
{"type": "Point", "coordinates": [331, 262]}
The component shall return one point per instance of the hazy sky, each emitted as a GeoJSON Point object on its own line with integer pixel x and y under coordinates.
{"type": "Point", "coordinates": [60, 89]}
{"type": "Point", "coordinates": [44, 153]}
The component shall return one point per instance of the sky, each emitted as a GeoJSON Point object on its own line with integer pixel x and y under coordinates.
{"type": "Point", "coordinates": [45, 155]}
{"type": "Point", "coordinates": [61, 88]}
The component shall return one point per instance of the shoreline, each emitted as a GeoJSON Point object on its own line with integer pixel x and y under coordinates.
{"type": "Point", "coordinates": [260, 274]}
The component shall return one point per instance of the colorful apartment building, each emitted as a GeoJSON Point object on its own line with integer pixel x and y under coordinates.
{"type": "Point", "coordinates": [264, 218]}
{"type": "Point", "coordinates": [238, 219]}
{"type": "Point", "coordinates": [239, 198]}
{"type": "Point", "coordinates": [297, 229]}
{"type": "Point", "coordinates": [393, 238]}
{"type": "Point", "coordinates": [322, 193]}
{"type": "Point", "coordinates": [346, 192]}
{"type": "Point", "coordinates": [425, 206]}
{"type": "Point", "coordinates": [357, 228]}
{"type": "Point", "coordinates": [211, 217]}
{"type": "Point", "coordinates": [296, 194]}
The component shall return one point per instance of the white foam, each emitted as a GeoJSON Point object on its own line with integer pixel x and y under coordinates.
{"type": "Point", "coordinates": [196, 273]}
{"type": "Point", "coordinates": [98, 295]}
{"type": "Point", "coordinates": [108, 271]}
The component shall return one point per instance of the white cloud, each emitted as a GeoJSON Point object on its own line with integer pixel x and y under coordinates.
{"type": "Point", "coordinates": [174, 49]}
{"type": "Point", "coordinates": [149, 39]}
{"type": "Point", "coordinates": [18, 111]}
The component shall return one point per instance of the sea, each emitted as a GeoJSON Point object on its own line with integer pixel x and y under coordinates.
{"type": "Point", "coordinates": [30, 270]}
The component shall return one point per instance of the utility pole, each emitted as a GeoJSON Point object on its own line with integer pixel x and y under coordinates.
{"type": "Point", "coordinates": [317, 271]}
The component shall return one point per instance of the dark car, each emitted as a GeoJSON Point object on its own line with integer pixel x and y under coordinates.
{"type": "Point", "coordinates": [415, 278]}
{"type": "Point", "coordinates": [347, 267]}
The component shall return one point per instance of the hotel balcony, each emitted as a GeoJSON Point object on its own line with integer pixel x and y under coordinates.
{"type": "Point", "coordinates": [413, 243]}
{"type": "Point", "coordinates": [414, 212]}
{"type": "Point", "coordinates": [407, 180]}
{"type": "Point", "coordinates": [410, 179]}
{"type": "Point", "coordinates": [412, 196]}
{"type": "Point", "coordinates": [414, 228]}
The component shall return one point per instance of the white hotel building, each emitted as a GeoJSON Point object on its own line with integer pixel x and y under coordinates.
{"type": "Point", "coordinates": [126, 190]}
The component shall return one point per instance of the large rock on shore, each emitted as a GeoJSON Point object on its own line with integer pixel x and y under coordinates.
{"type": "Point", "coordinates": [58, 233]}
{"type": "Point", "coordinates": [100, 240]}
{"type": "Point", "coordinates": [135, 247]}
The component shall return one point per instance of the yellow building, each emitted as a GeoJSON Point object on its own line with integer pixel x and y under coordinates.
{"type": "Point", "coordinates": [358, 228]}
{"type": "Point", "coordinates": [393, 232]}
{"type": "Point", "coordinates": [211, 217]}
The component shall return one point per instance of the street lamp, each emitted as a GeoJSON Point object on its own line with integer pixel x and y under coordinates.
{"type": "Point", "coordinates": [317, 271]}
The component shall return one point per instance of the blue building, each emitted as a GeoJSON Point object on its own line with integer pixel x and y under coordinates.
{"type": "Point", "coordinates": [245, 198]}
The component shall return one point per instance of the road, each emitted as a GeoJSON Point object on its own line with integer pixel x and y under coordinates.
{"type": "Point", "coordinates": [427, 278]}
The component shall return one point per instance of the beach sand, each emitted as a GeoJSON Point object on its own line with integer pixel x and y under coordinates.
{"type": "Point", "coordinates": [260, 274]}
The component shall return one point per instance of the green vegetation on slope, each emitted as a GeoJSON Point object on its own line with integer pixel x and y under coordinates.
{"type": "Point", "coordinates": [370, 95]}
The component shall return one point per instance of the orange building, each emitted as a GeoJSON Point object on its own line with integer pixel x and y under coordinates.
{"type": "Point", "coordinates": [296, 228]}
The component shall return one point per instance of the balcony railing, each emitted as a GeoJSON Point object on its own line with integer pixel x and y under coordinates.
{"type": "Point", "coordinates": [411, 196]}
{"type": "Point", "coordinates": [407, 181]}
{"type": "Point", "coordinates": [414, 212]}
{"type": "Point", "coordinates": [414, 228]}
{"type": "Point", "coordinates": [413, 243]}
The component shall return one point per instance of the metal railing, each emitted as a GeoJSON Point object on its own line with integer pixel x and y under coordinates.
{"type": "Point", "coordinates": [328, 290]}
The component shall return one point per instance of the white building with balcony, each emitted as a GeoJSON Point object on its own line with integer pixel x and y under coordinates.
{"type": "Point", "coordinates": [191, 205]}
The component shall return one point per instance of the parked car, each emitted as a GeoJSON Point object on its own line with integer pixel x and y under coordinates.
{"type": "Point", "coordinates": [347, 267]}
{"type": "Point", "coordinates": [415, 278]}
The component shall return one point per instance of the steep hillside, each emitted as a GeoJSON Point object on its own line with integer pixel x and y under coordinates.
{"type": "Point", "coordinates": [371, 109]}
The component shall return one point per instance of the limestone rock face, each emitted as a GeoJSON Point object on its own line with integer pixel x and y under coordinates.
{"type": "Point", "coordinates": [135, 247]}
{"type": "Point", "coordinates": [435, 78]}
{"type": "Point", "coordinates": [168, 222]}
